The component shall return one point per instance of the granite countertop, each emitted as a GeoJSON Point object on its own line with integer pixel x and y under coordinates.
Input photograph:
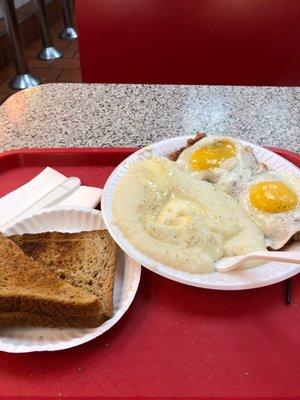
{"type": "Point", "coordinates": [60, 115]}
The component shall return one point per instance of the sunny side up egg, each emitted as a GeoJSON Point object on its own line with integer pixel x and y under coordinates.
{"type": "Point", "coordinates": [269, 198]}
{"type": "Point", "coordinates": [220, 160]}
{"type": "Point", "coordinates": [272, 200]}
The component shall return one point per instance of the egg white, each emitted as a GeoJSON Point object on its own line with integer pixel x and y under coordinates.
{"type": "Point", "coordinates": [232, 174]}
{"type": "Point", "coordinates": [236, 176]}
{"type": "Point", "coordinates": [278, 228]}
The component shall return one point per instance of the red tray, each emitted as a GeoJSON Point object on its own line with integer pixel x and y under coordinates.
{"type": "Point", "coordinates": [175, 340]}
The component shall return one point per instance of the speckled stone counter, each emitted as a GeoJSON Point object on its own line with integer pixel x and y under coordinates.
{"type": "Point", "coordinates": [59, 115]}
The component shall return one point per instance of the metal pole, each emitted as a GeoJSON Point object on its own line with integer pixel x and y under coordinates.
{"type": "Point", "coordinates": [23, 78]}
{"type": "Point", "coordinates": [69, 32]}
{"type": "Point", "coordinates": [48, 52]}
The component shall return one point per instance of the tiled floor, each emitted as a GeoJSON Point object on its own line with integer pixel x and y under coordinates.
{"type": "Point", "coordinates": [65, 69]}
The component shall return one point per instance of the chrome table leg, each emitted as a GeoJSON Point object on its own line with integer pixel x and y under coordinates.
{"type": "Point", "coordinates": [69, 32]}
{"type": "Point", "coordinates": [48, 52]}
{"type": "Point", "coordinates": [23, 79]}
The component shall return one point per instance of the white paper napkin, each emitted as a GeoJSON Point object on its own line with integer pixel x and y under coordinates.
{"type": "Point", "coordinates": [17, 202]}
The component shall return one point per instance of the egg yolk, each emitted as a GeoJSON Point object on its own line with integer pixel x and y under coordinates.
{"type": "Point", "coordinates": [273, 197]}
{"type": "Point", "coordinates": [213, 155]}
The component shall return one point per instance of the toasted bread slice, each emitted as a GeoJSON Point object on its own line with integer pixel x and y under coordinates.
{"type": "Point", "coordinates": [86, 260]}
{"type": "Point", "coordinates": [25, 285]}
{"type": "Point", "coordinates": [18, 319]}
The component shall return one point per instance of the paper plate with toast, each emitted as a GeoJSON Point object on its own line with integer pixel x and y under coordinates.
{"type": "Point", "coordinates": [57, 297]}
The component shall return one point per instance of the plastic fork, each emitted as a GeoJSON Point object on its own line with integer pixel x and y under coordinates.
{"type": "Point", "coordinates": [227, 264]}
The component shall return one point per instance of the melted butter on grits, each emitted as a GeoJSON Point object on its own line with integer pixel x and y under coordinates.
{"type": "Point", "coordinates": [181, 221]}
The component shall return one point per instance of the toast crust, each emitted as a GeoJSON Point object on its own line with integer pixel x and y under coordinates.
{"type": "Point", "coordinates": [18, 319]}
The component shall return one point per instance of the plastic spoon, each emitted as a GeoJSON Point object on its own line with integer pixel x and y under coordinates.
{"type": "Point", "coordinates": [227, 264]}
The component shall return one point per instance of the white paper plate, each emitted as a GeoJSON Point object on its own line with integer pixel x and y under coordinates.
{"type": "Point", "coordinates": [70, 219]}
{"type": "Point", "coordinates": [263, 275]}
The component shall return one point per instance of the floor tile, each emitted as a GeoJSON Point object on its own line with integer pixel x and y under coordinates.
{"type": "Point", "coordinates": [21, 14]}
{"type": "Point", "coordinates": [47, 75]}
{"type": "Point", "coordinates": [38, 63]}
{"type": "Point", "coordinates": [31, 52]}
{"type": "Point", "coordinates": [36, 44]}
{"type": "Point", "coordinates": [7, 72]}
{"type": "Point", "coordinates": [70, 75]}
{"type": "Point", "coordinates": [3, 57]}
{"type": "Point", "coordinates": [62, 44]}
{"type": "Point", "coordinates": [66, 63]}
{"type": "Point", "coordinates": [6, 47]}
{"type": "Point", "coordinates": [57, 27]}
{"type": "Point", "coordinates": [72, 49]}
{"type": "Point", "coordinates": [3, 97]}
{"type": "Point", "coordinates": [10, 69]}
{"type": "Point", "coordinates": [5, 88]}
{"type": "Point", "coordinates": [2, 26]}
{"type": "Point", "coordinates": [28, 7]}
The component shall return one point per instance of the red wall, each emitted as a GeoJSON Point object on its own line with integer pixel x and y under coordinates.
{"type": "Point", "coordinates": [239, 42]}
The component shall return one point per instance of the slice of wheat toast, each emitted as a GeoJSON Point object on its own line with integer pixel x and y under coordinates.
{"type": "Point", "coordinates": [19, 319]}
{"type": "Point", "coordinates": [85, 259]}
{"type": "Point", "coordinates": [25, 285]}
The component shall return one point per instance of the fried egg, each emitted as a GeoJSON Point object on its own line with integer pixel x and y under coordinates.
{"type": "Point", "coordinates": [221, 160]}
{"type": "Point", "coordinates": [269, 198]}
{"type": "Point", "coordinates": [272, 200]}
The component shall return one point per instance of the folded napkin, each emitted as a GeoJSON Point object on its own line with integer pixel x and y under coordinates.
{"type": "Point", "coordinates": [49, 188]}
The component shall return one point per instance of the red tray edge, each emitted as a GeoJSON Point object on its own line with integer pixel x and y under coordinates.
{"type": "Point", "coordinates": [38, 150]}
{"type": "Point", "coordinates": [287, 154]}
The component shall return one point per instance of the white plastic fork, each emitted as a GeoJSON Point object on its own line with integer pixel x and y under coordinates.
{"type": "Point", "coordinates": [227, 264]}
